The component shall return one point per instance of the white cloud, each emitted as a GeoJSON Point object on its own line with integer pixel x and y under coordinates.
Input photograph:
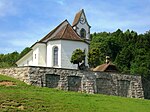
{"type": "Point", "coordinates": [7, 7]}
{"type": "Point", "coordinates": [21, 42]}
{"type": "Point", "coordinates": [61, 2]}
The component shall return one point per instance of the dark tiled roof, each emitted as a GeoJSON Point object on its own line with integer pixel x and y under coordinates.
{"type": "Point", "coordinates": [50, 33]}
{"type": "Point", "coordinates": [66, 33]}
{"type": "Point", "coordinates": [77, 17]}
{"type": "Point", "coordinates": [106, 68]}
{"type": "Point", "coordinates": [101, 67]}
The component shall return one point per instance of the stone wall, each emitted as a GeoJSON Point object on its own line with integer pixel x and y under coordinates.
{"type": "Point", "coordinates": [81, 81]}
{"type": "Point", "coordinates": [146, 87]}
{"type": "Point", "coordinates": [119, 84]}
{"type": "Point", "coordinates": [21, 73]}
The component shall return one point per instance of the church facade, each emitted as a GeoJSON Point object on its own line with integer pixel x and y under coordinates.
{"type": "Point", "coordinates": [56, 48]}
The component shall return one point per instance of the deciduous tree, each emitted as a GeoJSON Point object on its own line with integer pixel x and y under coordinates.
{"type": "Point", "coordinates": [94, 57]}
{"type": "Point", "coordinates": [78, 56]}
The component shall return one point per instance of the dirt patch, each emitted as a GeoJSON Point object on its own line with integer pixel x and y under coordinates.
{"type": "Point", "coordinates": [11, 104]}
{"type": "Point", "coordinates": [21, 107]}
{"type": "Point", "coordinates": [7, 83]}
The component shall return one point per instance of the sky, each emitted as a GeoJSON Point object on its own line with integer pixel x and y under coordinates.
{"type": "Point", "coordinates": [24, 22]}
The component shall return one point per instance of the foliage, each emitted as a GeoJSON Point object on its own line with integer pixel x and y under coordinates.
{"type": "Point", "coordinates": [26, 98]}
{"type": "Point", "coordinates": [93, 57]}
{"type": "Point", "coordinates": [128, 50]}
{"type": "Point", "coordinates": [124, 58]}
{"type": "Point", "coordinates": [77, 57]}
{"type": "Point", "coordinates": [141, 63]}
{"type": "Point", "coordinates": [107, 45]}
{"type": "Point", "coordinates": [9, 60]}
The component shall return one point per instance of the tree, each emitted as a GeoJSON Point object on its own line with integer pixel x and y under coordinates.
{"type": "Point", "coordinates": [141, 63]}
{"type": "Point", "coordinates": [77, 57]}
{"type": "Point", "coordinates": [94, 57]}
{"type": "Point", "coordinates": [13, 57]}
{"type": "Point", "coordinates": [8, 60]}
{"type": "Point", "coordinates": [124, 58]}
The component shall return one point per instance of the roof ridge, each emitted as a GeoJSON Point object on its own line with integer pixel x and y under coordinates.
{"type": "Point", "coordinates": [106, 66]}
{"type": "Point", "coordinates": [64, 30]}
{"type": "Point", "coordinates": [74, 31]}
{"type": "Point", "coordinates": [52, 32]}
{"type": "Point", "coordinates": [69, 25]}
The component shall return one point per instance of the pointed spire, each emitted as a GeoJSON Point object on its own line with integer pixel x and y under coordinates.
{"type": "Point", "coordinates": [77, 17]}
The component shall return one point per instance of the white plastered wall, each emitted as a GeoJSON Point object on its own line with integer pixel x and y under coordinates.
{"type": "Point", "coordinates": [42, 55]}
{"type": "Point", "coordinates": [35, 56]}
{"type": "Point", "coordinates": [50, 47]}
{"type": "Point", "coordinates": [39, 54]}
{"type": "Point", "coordinates": [67, 48]}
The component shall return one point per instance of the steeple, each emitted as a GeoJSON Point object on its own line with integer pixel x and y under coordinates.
{"type": "Point", "coordinates": [81, 26]}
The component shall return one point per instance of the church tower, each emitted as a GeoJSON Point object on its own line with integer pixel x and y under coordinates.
{"type": "Point", "coordinates": [81, 26]}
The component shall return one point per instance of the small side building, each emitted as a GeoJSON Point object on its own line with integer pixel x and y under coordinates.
{"type": "Point", "coordinates": [106, 67]}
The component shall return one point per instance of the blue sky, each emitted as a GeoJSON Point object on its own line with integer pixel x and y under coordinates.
{"type": "Point", "coordinates": [23, 22]}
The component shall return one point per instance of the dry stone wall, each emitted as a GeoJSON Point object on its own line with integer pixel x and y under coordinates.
{"type": "Point", "coordinates": [146, 87]}
{"type": "Point", "coordinates": [81, 81]}
{"type": "Point", "coordinates": [21, 73]}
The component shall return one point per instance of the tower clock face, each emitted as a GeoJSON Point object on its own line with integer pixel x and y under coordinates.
{"type": "Point", "coordinates": [82, 20]}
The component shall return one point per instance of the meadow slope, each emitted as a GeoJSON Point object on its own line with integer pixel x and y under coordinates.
{"type": "Point", "coordinates": [16, 96]}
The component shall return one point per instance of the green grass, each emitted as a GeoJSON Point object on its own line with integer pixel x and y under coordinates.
{"type": "Point", "coordinates": [26, 98]}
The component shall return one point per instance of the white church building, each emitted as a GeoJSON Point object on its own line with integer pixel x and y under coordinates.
{"type": "Point", "coordinates": [56, 48]}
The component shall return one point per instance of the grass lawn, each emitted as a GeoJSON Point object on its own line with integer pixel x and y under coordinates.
{"type": "Point", "coordinates": [16, 96]}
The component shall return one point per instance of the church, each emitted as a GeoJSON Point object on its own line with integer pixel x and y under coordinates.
{"type": "Point", "coordinates": [56, 48]}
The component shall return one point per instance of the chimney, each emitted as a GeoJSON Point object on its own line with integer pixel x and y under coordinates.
{"type": "Point", "coordinates": [107, 59]}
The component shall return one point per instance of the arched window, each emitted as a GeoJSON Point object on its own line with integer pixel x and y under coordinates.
{"type": "Point", "coordinates": [55, 56]}
{"type": "Point", "coordinates": [83, 33]}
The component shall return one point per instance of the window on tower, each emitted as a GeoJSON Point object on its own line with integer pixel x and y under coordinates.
{"type": "Point", "coordinates": [83, 33]}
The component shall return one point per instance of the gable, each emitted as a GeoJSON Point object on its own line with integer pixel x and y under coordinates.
{"type": "Point", "coordinates": [78, 17]}
{"type": "Point", "coordinates": [64, 31]}
{"type": "Point", "coordinates": [25, 57]}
